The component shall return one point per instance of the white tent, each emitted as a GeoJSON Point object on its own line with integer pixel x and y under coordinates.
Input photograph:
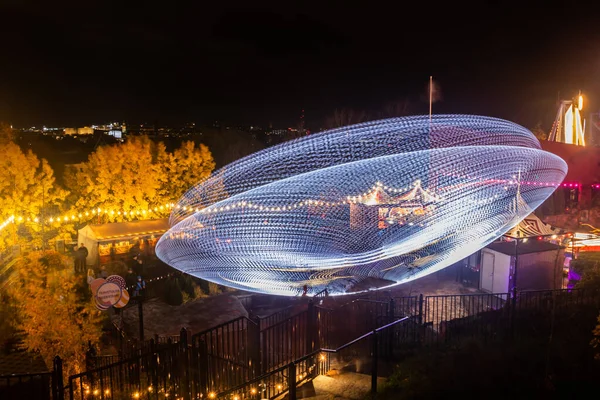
{"type": "Point", "coordinates": [94, 236]}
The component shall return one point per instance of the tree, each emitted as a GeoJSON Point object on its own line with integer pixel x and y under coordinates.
{"type": "Point", "coordinates": [539, 132]}
{"type": "Point", "coordinates": [54, 318]}
{"type": "Point", "coordinates": [394, 109]}
{"type": "Point", "coordinates": [136, 177]}
{"type": "Point", "coordinates": [344, 117]}
{"type": "Point", "coordinates": [7, 134]}
{"type": "Point", "coordinates": [27, 190]}
{"type": "Point", "coordinates": [186, 166]}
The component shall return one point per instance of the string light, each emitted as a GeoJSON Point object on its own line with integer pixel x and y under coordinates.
{"type": "Point", "coordinates": [78, 216]}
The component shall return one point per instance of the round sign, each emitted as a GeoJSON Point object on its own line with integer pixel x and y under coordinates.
{"type": "Point", "coordinates": [96, 283]}
{"type": "Point", "coordinates": [119, 280]}
{"type": "Point", "coordinates": [123, 300]}
{"type": "Point", "coordinates": [108, 294]}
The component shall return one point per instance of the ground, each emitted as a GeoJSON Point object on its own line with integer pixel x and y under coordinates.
{"type": "Point", "coordinates": [196, 315]}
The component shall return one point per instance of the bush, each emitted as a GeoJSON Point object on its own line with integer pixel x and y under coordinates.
{"type": "Point", "coordinates": [173, 295]}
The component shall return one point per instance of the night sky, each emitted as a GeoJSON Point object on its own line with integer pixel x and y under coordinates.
{"type": "Point", "coordinates": [76, 64]}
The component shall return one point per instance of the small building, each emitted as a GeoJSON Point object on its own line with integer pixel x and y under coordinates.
{"type": "Point", "coordinates": [106, 242]}
{"type": "Point", "coordinates": [539, 266]}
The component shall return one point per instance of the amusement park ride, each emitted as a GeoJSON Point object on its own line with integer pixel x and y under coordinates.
{"type": "Point", "coordinates": [569, 126]}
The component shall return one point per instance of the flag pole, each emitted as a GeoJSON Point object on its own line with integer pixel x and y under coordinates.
{"type": "Point", "coordinates": [430, 96]}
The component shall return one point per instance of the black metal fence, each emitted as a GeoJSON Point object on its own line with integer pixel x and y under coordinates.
{"type": "Point", "coordinates": [225, 355]}
{"type": "Point", "coordinates": [42, 385]}
{"type": "Point", "coordinates": [246, 355]}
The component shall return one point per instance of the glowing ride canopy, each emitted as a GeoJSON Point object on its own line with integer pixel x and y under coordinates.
{"type": "Point", "coordinates": [365, 206]}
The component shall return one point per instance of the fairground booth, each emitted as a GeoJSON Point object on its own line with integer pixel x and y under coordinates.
{"type": "Point", "coordinates": [532, 253]}
{"type": "Point", "coordinates": [114, 241]}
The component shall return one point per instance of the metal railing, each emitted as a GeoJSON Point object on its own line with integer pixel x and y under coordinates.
{"type": "Point", "coordinates": [26, 386]}
{"type": "Point", "coordinates": [285, 379]}
{"type": "Point", "coordinates": [238, 352]}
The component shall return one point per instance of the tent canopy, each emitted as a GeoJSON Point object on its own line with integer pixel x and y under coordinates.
{"type": "Point", "coordinates": [533, 226]}
{"type": "Point", "coordinates": [123, 230]}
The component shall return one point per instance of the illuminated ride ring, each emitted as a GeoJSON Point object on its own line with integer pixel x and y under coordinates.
{"type": "Point", "coordinates": [361, 207]}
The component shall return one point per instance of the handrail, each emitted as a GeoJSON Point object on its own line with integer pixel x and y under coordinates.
{"type": "Point", "coordinates": [222, 325]}
{"type": "Point", "coordinates": [362, 300]}
{"type": "Point", "coordinates": [283, 321]}
{"type": "Point", "coordinates": [467, 295]}
{"type": "Point", "coordinates": [276, 312]}
{"type": "Point", "coordinates": [27, 375]}
{"type": "Point", "coordinates": [309, 355]}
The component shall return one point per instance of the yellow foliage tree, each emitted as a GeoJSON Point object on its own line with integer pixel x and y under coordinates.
{"type": "Point", "coordinates": [183, 168]}
{"type": "Point", "coordinates": [27, 190]}
{"type": "Point", "coordinates": [54, 318]}
{"type": "Point", "coordinates": [137, 176]}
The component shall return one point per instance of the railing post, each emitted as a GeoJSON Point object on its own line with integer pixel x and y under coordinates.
{"type": "Point", "coordinates": [255, 349]}
{"type": "Point", "coordinates": [153, 363]}
{"type": "Point", "coordinates": [310, 327]}
{"type": "Point", "coordinates": [420, 327]}
{"type": "Point", "coordinates": [58, 392]}
{"type": "Point", "coordinates": [374, 361]}
{"type": "Point", "coordinates": [141, 317]}
{"type": "Point", "coordinates": [292, 381]}
{"type": "Point", "coordinates": [185, 364]}
{"type": "Point", "coordinates": [203, 366]}
{"type": "Point", "coordinates": [390, 335]}
{"type": "Point", "coordinates": [420, 310]}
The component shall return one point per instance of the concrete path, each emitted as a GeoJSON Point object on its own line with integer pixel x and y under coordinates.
{"type": "Point", "coordinates": [345, 386]}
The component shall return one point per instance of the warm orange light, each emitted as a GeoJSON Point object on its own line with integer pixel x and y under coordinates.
{"type": "Point", "coordinates": [96, 391]}
{"type": "Point", "coordinates": [279, 387]}
{"type": "Point", "coordinates": [253, 391]}
{"type": "Point", "coordinates": [322, 357]}
{"type": "Point", "coordinates": [212, 395]}
{"type": "Point", "coordinates": [580, 102]}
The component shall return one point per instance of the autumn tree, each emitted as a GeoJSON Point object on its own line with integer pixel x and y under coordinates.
{"type": "Point", "coordinates": [344, 117]}
{"type": "Point", "coordinates": [186, 166]}
{"type": "Point", "coordinates": [7, 134]}
{"type": "Point", "coordinates": [136, 176]}
{"type": "Point", "coordinates": [54, 318]}
{"type": "Point", "coordinates": [539, 132]}
{"type": "Point", "coordinates": [27, 191]}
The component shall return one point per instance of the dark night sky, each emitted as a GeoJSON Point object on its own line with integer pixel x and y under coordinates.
{"type": "Point", "coordinates": [74, 64]}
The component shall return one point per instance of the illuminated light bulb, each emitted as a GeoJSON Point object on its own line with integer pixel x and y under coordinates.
{"type": "Point", "coordinates": [236, 397]}
{"type": "Point", "coordinates": [57, 219]}
{"type": "Point", "coordinates": [253, 390]}
{"type": "Point", "coordinates": [150, 389]}
{"type": "Point", "coordinates": [79, 215]}
{"type": "Point", "coordinates": [279, 386]}
{"type": "Point", "coordinates": [212, 395]}
{"type": "Point", "coordinates": [136, 395]}
{"type": "Point", "coordinates": [118, 212]}
{"type": "Point", "coordinates": [107, 392]}
{"type": "Point", "coordinates": [322, 357]}
{"type": "Point", "coordinates": [35, 219]}
{"type": "Point", "coordinates": [96, 391]}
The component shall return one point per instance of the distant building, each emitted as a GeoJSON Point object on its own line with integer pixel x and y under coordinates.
{"type": "Point", "coordinates": [86, 130]}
